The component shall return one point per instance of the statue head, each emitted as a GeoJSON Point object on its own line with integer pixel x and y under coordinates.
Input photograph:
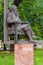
{"type": "Point", "coordinates": [14, 9]}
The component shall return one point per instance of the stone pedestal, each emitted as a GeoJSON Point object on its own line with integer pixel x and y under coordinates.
{"type": "Point", "coordinates": [23, 54]}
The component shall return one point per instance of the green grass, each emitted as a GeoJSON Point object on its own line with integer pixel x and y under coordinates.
{"type": "Point", "coordinates": [38, 57]}
{"type": "Point", "coordinates": [6, 58]}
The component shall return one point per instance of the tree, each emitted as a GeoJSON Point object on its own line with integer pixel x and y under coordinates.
{"type": "Point", "coordinates": [2, 21]}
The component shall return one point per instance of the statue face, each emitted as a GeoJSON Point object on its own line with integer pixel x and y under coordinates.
{"type": "Point", "coordinates": [14, 9]}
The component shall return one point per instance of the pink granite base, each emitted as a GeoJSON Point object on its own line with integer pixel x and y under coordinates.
{"type": "Point", "coordinates": [23, 54]}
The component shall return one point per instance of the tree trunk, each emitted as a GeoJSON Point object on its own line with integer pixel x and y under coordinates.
{"type": "Point", "coordinates": [12, 47]}
{"type": "Point", "coordinates": [4, 47]}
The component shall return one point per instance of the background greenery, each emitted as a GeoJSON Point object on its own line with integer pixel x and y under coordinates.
{"type": "Point", "coordinates": [29, 10]}
{"type": "Point", "coordinates": [38, 57]}
{"type": "Point", "coordinates": [6, 58]}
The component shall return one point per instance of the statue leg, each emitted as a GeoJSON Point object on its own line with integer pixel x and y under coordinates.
{"type": "Point", "coordinates": [29, 35]}
{"type": "Point", "coordinates": [27, 32]}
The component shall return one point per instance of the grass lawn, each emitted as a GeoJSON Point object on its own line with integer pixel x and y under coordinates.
{"type": "Point", "coordinates": [38, 57]}
{"type": "Point", "coordinates": [7, 58]}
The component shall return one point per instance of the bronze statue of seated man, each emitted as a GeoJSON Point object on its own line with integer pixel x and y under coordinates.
{"type": "Point", "coordinates": [13, 16]}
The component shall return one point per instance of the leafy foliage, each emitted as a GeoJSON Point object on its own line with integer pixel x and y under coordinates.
{"type": "Point", "coordinates": [1, 19]}
{"type": "Point", "coordinates": [32, 10]}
